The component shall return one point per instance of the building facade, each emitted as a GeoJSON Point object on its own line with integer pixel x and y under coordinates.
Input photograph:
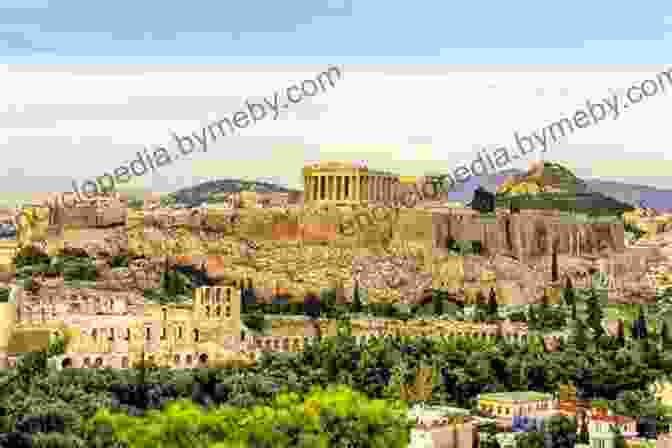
{"type": "Point", "coordinates": [509, 404]}
{"type": "Point", "coordinates": [347, 183]}
{"type": "Point", "coordinates": [173, 335]}
{"type": "Point", "coordinates": [601, 435]}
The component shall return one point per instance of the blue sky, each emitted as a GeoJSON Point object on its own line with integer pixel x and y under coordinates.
{"type": "Point", "coordinates": [87, 84]}
{"type": "Point", "coordinates": [341, 31]}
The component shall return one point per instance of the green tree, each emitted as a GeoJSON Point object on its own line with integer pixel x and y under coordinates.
{"type": "Point", "coordinates": [554, 261]}
{"type": "Point", "coordinates": [619, 440]}
{"type": "Point", "coordinates": [595, 313]}
{"type": "Point", "coordinates": [437, 301]}
{"type": "Point", "coordinates": [620, 337]}
{"type": "Point", "coordinates": [665, 338]}
{"type": "Point", "coordinates": [532, 319]}
{"type": "Point", "coordinates": [580, 337]}
{"type": "Point", "coordinates": [481, 307]}
{"type": "Point", "coordinates": [569, 294]}
{"type": "Point", "coordinates": [356, 300]}
{"type": "Point", "coordinates": [492, 305]}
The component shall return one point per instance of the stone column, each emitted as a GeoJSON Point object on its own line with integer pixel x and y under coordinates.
{"type": "Point", "coordinates": [358, 196]}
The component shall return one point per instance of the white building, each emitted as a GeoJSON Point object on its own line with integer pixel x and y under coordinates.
{"type": "Point", "coordinates": [601, 435]}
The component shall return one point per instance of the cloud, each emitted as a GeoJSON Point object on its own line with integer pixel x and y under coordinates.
{"type": "Point", "coordinates": [136, 108]}
{"type": "Point", "coordinates": [17, 40]}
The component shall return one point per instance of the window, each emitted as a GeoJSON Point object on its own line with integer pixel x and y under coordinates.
{"type": "Point", "coordinates": [148, 335]}
{"type": "Point", "coordinates": [179, 332]}
{"type": "Point", "coordinates": [207, 311]}
{"type": "Point", "coordinates": [111, 334]}
{"type": "Point", "coordinates": [124, 362]}
{"type": "Point", "coordinates": [189, 360]}
{"type": "Point", "coordinates": [228, 294]}
{"type": "Point", "coordinates": [128, 334]}
{"type": "Point", "coordinates": [94, 334]}
{"type": "Point", "coordinates": [165, 314]}
{"type": "Point", "coordinates": [163, 333]}
{"type": "Point", "coordinates": [196, 335]}
{"type": "Point", "coordinates": [218, 310]}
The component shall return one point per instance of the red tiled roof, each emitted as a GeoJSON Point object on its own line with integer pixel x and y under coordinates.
{"type": "Point", "coordinates": [617, 419]}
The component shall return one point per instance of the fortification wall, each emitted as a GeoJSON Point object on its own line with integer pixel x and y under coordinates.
{"type": "Point", "coordinates": [315, 247]}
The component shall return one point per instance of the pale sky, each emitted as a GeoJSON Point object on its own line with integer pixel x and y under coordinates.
{"type": "Point", "coordinates": [77, 122]}
{"type": "Point", "coordinates": [85, 85]}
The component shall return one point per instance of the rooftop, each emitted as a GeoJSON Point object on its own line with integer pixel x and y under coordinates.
{"type": "Point", "coordinates": [516, 396]}
{"type": "Point", "coordinates": [617, 419]}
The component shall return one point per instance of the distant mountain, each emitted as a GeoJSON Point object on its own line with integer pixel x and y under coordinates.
{"type": "Point", "coordinates": [628, 193]}
{"type": "Point", "coordinates": [196, 195]}
{"type": "Point", "coordinates": [621, 192]}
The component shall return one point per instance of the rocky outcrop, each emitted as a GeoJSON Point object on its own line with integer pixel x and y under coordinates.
{"type": "Point", "coordinates": [528, 234]}
{"type": "Point", "coordinates": [400, 278]}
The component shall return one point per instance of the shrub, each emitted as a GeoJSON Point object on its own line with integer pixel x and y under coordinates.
{"type": "Point", "coordinates": [323, 418]}
{"type": "Point", "coordinates": [119, 261]}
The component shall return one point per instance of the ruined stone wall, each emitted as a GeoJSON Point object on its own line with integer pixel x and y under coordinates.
{"type": "Point", "coordinates": [292, 327]}
{"type": "Point", "coordinates": [529, 233]}
{"type": "Point", "coordinates": [395, 254]}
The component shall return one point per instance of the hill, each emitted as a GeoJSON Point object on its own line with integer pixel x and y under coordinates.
{"type": "Point", "coordinates": [563, 179]}
{"type": "Point", "coordinates": [198, 194]}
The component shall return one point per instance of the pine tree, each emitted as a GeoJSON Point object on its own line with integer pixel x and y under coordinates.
{"type": "Point", "coordinates": [665, 336]}
{"type": "Point", "coordinates": [580, 337]}
{"type": "Point", "coordinates": [481, 306]}
{"type": "Point", "coordinates": [569, 295]}
{"type": "Point", "coordinates": [642, 330]}
{"type": "Point", "coordinates": [621, 333]}
{"type": "Point", "coordinates": [554, 262]}
{"type": "Point", "coordinates": [532, 320]}
{"type": "Point", "coordinates": [356, 300]}
{"type": "Point", "coordinates": [437, 302]}
{"type": "Point", "coordinates": [595, 313]}
{"type": "Point", "coordinates": [492, 305]}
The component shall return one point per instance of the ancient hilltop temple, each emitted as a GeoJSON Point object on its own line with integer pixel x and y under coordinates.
{"type": "Point", "coordinates": [347, 182]}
